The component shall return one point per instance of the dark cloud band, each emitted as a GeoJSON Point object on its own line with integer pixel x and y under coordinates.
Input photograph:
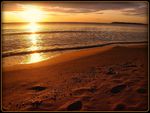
{"type": "Point", "coordinates": [127, 8]}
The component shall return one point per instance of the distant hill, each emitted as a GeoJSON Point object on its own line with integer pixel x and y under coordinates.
{"type": "Point", "coordinates": [128, 23]}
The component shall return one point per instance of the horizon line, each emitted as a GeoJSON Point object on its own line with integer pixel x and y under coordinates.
{"type": "Point", "coordinates": [80, 22]}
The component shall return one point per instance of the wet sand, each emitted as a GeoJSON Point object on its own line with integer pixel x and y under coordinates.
{"type": "Point", "coordinates": [110, 78]}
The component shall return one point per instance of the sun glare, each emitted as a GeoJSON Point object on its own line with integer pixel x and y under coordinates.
{"type": "Point", "coordinates": [33, 27]}
{"type": "Point", "coordinates": [33, 38]}
{"type": "Point", "coordinates": [35, 57]}
{"type": "Point", "coordinates": [32, 13]}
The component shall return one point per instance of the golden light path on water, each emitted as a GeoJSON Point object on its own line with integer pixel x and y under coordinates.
{"type": "Point", "coordinates": [34, 38]}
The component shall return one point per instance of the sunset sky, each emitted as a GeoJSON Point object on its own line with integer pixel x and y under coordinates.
{"type": "Point", "coordinates": [103, 12]}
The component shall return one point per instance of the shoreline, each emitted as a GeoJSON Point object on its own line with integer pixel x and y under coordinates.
{"type": "Point", "coordinates": [96, 48]}
{"type": "Point", "coordinates": [69, 48]}
{"type": "Point", "coordinates": [86, 80]}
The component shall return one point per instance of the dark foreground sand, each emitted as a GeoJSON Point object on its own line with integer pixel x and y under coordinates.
{"type": "Point", "coordinates": [99, 79]}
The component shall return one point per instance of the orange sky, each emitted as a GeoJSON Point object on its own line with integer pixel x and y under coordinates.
{"type": "Point", "coordinates": [74, 12]}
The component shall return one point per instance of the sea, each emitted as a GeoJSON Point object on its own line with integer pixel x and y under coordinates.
{"type": "Point", "coordinates": [26, 43]}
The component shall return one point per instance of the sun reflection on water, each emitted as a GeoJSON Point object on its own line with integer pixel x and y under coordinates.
{"type": "Point", "coordinates": [35, 57]}
{"type": "Point", "coordinates": [34, 38]}
{"type": "Point", "coordinates": [33, 27]}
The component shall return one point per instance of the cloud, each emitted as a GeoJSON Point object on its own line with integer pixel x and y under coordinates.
{"type": "Point", "coordinates": [127, 8]}
{"type": "Point", "coordinates": [139, 11]}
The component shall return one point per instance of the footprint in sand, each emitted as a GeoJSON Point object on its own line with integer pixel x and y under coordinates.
{"type": "Point", "coordinates": [76, 80]}
{"type": "Point", "coordinates": [75, 106]}
{"type": "Point", "coordinates": [36, 104]}
{"type": "Point", "coordinates": [82, 90]}
{"type": "Point", "coordinates": [4, 109]}
{"type": "Point", "coordinates": [128, 64]}
{"type": "Point", "coordinates": [37, 88]}
{"type": "Point", "coordinates": [142, 90]}
{"type": "Point", "coordinates": [118, 88]}
{"type": "Point", "coordinates": [72, 105]}
{"type": "Point", "coordinates": [119, 107]}
{"type": "Point", "coordinates": [111, 71]}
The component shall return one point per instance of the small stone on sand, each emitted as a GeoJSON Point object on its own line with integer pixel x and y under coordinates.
{"type": "Point", "coordinates": [120, 107]}
{"type": "Point", "coordinates": [75, 106]}
{"type": "Point", "coordinates": [118, 88]}
{"type": "Point", "coordinates": [111, 71]}
{"type": "Point", "coordinates": [142, 90]}
{"type": "Point", "coordinates": [38, 88]}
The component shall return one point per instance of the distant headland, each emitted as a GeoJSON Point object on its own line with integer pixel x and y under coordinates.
{"type": "Point", "coordinates": [128, 23]}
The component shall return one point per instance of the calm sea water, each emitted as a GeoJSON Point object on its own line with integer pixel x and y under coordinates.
{"type": "Point", "coordinates": [33, 42]}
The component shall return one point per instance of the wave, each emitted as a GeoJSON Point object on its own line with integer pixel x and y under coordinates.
{"type": "Point", "coordinates": [47, 32]}
{"type": "Point", "coordinates": [42, 32]}
{"type": "Point", "coordinates": [12, 53]}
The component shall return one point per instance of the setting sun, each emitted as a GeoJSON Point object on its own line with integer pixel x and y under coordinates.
{"type": "Point", "coordinates": [32, 13]}
{"type": "Point", "coordinates": [74, 56]}
{"type": "Point", "coordinates": [74, 12]}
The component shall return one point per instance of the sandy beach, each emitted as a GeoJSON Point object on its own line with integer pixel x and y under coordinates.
{"type": "Point", "coordinates": [110, 78]}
